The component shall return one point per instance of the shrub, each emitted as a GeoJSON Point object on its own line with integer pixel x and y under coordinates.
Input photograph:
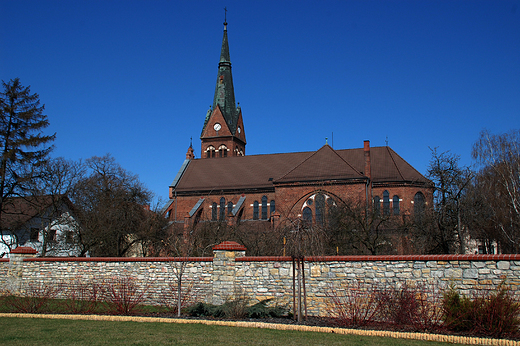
{"type": "Point", "coordinates": [123, 295]}
{"type": "Point", "coordinates": [498, 312]}
{"type": "Point", "coordinates": [429, 310]}
{"type": "Point", "coordinates": [458, 310]}
{"type": "Point", "coordinates": [236, 309]}
{"type": "Point", "coordinates": [491, 313]}
{"type": "Point", "coordinates": [82, 297]}
{"type": "Point", "coordinates": [412, 306]}
{"type": "Point", "coordinates": [399, 305]}
{"type": "Point", "coordinates": [262, 310]}
{"type": "Point", "coordinates": [353, 304]}
{"type": "Point", "coordinates": [200, 310]}
{"type": "Point", "coordinates": [35, 297]}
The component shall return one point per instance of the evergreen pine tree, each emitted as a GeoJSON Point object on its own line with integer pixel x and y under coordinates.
{"type": "Point", "coordinates": [24, 147]}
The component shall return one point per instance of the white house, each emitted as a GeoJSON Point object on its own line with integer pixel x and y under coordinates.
{"type": "Point", "coordinates": [45, 223]}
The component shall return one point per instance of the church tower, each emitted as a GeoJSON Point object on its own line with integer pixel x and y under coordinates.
{"type": "Point", "coordinates": [223, 131]}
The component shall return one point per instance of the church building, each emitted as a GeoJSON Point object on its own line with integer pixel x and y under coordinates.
{"type": "Point", "coordinates": [227, 185]}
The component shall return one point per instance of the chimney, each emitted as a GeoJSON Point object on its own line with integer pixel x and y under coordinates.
{"type": "Point", "coordinates": [367, 159]}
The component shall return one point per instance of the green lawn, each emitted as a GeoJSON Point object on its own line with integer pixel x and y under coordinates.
{"type": "Point", "coordinates": [41, 332]}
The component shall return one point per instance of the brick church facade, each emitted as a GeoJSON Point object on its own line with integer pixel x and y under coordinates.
{"type": "Point", "coordinates": [227, 185]}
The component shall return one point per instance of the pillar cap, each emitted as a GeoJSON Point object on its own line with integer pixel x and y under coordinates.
{"type": "Point", "coordinates": [229, 246]}
{"type": "Point", "coordinates": [24, 250]}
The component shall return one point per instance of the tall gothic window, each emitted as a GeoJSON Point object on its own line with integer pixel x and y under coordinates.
{"type": "Point", "coordinates": [395, 204]}
{"type": "Point", "coordinates": [255, 210]}
{"type": "Point", "coordinates": [307, 215]}
{"type": "Point", "coordinates": [264, 207]}
{"type": "Point", "coordinates": [272, 207]}
{"type": "Point", "coordinates": [214, 211]}
{"type": "Point", "coordinates": [230, 207]}
{"type": "Point", "coordinates": [377, 205]}
{"type": "Point", "coordinates": [386, 203]}
{"type": "Point", "coordinates": [418, 206]}
{"type": "Point", "coordinates": [320, 208]}
{"type": "Point", "coordinates": [222, 208]}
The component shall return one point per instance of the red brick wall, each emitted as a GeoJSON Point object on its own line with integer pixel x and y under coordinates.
{"type": "Point", "coordinates": [289, 199]}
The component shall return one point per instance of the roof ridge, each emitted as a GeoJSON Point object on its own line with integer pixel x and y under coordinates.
{"type": "Point", "coordinates": [393, 153]}
{"type": "Point", "coordinates": [315, 153]}
{"type": "Point", "coordinates": [298, 165]}
{"type": "Point", "coordinates": [395, 164]}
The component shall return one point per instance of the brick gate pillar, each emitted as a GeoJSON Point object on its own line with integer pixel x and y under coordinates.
{"type": "Point", "coordinates": [223, 276]}
{"type": "Point", "coordinates": [14, 274]}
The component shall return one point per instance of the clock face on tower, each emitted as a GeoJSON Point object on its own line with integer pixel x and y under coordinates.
{"type": "Point", "coordinates": [217, 126]}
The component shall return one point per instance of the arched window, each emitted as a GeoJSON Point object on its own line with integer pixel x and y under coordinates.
{"type": "Point", "coordinates": [239, 216]}
{"type": "Point", "coordinates": [395, 204]}
{"type": "Point", "coordinates": [222, 208]}
{"type": "Point", "coordinates": [377, 205]}
{"type": "Point", "coordinates": [222, 150]}
{"type": "Point", "coordinates": [255, 210]}
{"type": "Point", "coordinates": [386, 203]}
{"type": "Point", "coordinates": [230, 207]}
{"type": "Point", "coordinates": [307, 215]}
{"type": "Point", "coordinates": [214, 211]}
{"type": "Point", "coordinates": [210, 151]}
{"type": "Point", "coordinates": [272, 207]}
{"type": "Point", "coordinates": [264, 207]}
{"type": "Point", "coordinates": [418, 206]}
{"type": "Point", "coordinates": [320, 208]}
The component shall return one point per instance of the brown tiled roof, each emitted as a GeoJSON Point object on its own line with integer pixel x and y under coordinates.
{"type": "Point", "coordinates": [19, 210]}
{"type": "Point", "coordinates": [324, 164]}
{"type": "Point", "coordinates": [263, 171]}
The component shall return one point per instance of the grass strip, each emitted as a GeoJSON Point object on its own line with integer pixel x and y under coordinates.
{"type": "Point", "coordinates": [286, 327]}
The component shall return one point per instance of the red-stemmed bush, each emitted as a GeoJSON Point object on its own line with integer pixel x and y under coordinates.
{"type": "Point", "coordinates": [408, 306]}
{"type": "Point", "coordinates": [82, 297]}
{"type": "Point", "coordinates": [124, 295]}
{"type": "Point", "coordinates": [353, 304]}
{"type": "Point", "coordinates": [32, 298]}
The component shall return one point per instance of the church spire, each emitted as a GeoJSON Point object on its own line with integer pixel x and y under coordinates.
{"type": "Point", "coordinates": [223, 125]}
{"type": "Point", "coordinates": [224, 91]}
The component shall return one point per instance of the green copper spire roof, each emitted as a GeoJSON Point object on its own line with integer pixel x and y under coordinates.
{"type": "Point", "coordinates": [224, 92]}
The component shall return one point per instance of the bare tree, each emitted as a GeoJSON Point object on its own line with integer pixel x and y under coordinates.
{"type": "Point", "coordinates": [450, 180]}
{"type": "Point", "coordinates": [113, 211]}
{"type": "Point", "coordinates": [499, 160]}
{"type": "Point", "coordinates": [356, 228]}
{"type": "Point", "coordinates": [478, 214]}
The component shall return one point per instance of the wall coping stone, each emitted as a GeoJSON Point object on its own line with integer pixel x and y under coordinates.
{"type": "Point", "coordinates": [264, 259]}
{"type": "Point", "coordinates": [119, 259]}
{"type": "Point", "coordinates": [425, 258]}
{"type": "Point", "coordinates": [379, 258]}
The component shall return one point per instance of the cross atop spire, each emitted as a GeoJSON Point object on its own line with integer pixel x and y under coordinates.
{"type": "Point", "coordinates": [225, 18]}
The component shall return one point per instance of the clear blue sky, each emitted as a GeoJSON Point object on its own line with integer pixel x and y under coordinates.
{"type": "Point", "coordinates": [135, 78]}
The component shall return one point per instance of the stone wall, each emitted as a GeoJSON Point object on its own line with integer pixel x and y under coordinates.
{"type": "Point", "coordinates": [264, 277]}
{"type": "Point", "coordinates": [229, 274]}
